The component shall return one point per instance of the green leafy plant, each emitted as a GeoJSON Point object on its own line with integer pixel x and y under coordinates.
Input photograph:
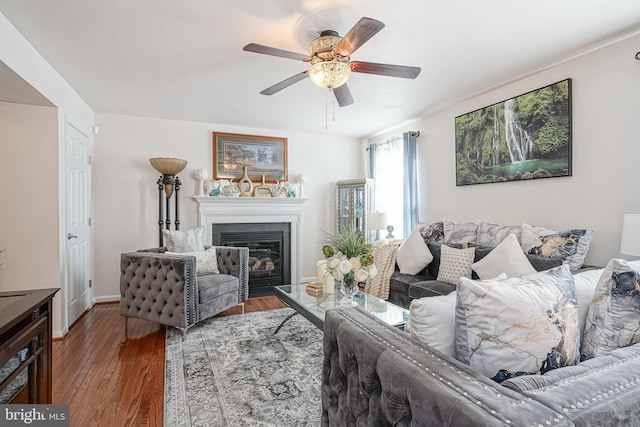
{"type": "Point", "coordinates": [349, 256]}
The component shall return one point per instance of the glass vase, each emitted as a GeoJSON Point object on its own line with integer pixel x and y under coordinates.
{"type": "Point", "coordinates": [348, 288]}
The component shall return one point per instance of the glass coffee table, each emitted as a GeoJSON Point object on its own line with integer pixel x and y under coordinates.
{"type": "Point", "coordinates": [313, 307]}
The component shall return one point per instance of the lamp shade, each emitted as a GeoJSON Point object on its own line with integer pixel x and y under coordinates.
{"type": "Point", "coordinates": [168, 165]}
{"type": "Point", "coordinates": [630, 242]}
{"type": "Point", "coordinates": [377, 221]}
{"type": "Point", "coordinates": [329, 74]}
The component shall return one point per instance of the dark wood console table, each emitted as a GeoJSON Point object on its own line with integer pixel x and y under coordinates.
{"type": "Point", "coordinates": [25, 346]}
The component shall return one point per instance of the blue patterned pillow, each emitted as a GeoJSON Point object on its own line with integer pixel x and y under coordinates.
{"type": "Point", "coordinates": [525, 324]}
{"type": "Point", "coordinates": [567, 246]}
{"type": "Point", "coordinates": [613, 320]}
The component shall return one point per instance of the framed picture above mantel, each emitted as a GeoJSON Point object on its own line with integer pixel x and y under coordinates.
{"type": "Point", "coordinates": [264, 155]}
{"type": "Point", "coordinates": [521, 138]}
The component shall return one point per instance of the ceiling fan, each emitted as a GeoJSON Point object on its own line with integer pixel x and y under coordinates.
{"type": "Point", "coordinates": [330, 59]}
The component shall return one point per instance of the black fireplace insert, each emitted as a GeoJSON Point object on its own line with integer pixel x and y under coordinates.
{"type": "Point", "coordinates": [269, 251]}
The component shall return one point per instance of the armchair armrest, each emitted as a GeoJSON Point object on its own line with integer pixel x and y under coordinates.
{"type": "Point", "coordinates": [158, 287]}
{"type": "Point", "coordinates": [235, 262]}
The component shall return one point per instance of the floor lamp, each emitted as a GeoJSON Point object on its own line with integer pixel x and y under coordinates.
{"type": "Point", "coordinates": [169, 167]}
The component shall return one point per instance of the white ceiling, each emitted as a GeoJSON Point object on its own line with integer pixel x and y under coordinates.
{"type": "Point", "coordinates": [183, 59]}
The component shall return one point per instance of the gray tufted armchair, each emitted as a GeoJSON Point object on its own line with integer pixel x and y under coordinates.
{"type": "Point", "coordinates": [164, 288]}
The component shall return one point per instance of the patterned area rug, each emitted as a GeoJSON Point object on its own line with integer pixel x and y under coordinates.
{"type": "Point", "coordinates": [232, 371]}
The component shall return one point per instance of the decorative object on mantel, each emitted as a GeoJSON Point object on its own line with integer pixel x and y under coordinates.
{"type": "Point", "coordinates": [263, 189]}
{"type": "Point", "coordinates": [349, 260]}
{"type": "Point", "coordinates": [245, 185]}
{"type": "Point", "coordinates": [230, 190]}
{"type": "Point", "coordinates": [302, 179]}
{"type": "Point", "coordinates": [201, 175]}
{"type": "Point", "coordinates": [169, 167]}
{"type": "Point", "coordinates": [524, 137]}
{"type": "Point", "coordinates": [266, 155]}
{"type": "Point", "coordinates": [630, 241]}
{"type": "Point", "coordinates": [279, 190]}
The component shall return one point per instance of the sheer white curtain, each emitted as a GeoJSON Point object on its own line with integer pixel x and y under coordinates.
{"type": "Point", "coordinates": [394, 169]}
{"type": "Point", "coordinates": [387, 173]}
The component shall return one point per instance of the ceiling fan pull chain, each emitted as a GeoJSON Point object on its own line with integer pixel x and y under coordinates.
{"type": "Point", "coordinates": [333, 103]}
{"type": "Point", "coordinates": [326, 110]}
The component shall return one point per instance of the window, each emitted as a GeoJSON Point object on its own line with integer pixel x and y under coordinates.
{"type": "Point", "coordinates": [386, 172]}
{"type": "Point", "coordinates": [393, 167]}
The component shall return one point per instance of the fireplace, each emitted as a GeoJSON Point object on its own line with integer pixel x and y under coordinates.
{"type": "Point", "coordinates": [269, 251]}
{"type": "Point", "coordinates": [257, 210]}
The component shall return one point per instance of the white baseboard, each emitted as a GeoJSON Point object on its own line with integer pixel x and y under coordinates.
{"type": "Point", "coordinates": [307, 279]}
{"type": "Point", "coordinates": [108, 298]}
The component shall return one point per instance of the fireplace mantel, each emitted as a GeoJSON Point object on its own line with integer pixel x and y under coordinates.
{"type": "Point", "coordinates": [229, 210]}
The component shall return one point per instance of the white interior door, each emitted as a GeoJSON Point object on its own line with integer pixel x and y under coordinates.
{"type": "Point", "coordinates": [78, 238]}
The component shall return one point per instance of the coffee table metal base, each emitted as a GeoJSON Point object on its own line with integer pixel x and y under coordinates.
{"type": "Point", "coordinates": [284, 321]}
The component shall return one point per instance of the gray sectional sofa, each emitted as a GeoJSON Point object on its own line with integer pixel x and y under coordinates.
{"type": "Point", "coordinates": [403, 288]}
{"type": "Point", "coordinates": [377, 375]}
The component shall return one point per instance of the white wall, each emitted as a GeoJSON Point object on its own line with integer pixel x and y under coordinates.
{"type": "Point", "coordinates": [24, 60]}
{"type": "Point", "coordinates": [126, 195]}
{"type": "Point", "coordinates": [29, 176]}
{"type": "Point", "coordinates": [606, 154]}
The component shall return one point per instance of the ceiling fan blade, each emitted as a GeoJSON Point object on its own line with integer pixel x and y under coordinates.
{"type": "Point", "coordinates": [284, 84]}
{"type": "Point", "coordinates": [343, 95]}
{"type": "Point", "coordinates": [385, 69]}
{"type": "Point", "coordinates": [364, 29]}
{"type": "Point", "coordinates": [267, 50]}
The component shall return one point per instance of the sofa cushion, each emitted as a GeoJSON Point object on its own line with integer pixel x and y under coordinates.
{"type": "Point", "coordinates": [206, 261]}
{"type": "Point", "coordinates": [429, 288]}
{"type": "Point", "coordinates": [523, 324]}
{"type": "Point", "coordinates": [464, 233]}
{"type": "Point", "coordinates": [413, 254]}
{"type": "Point", "coordinates": [455, 263]}
{"type": "Point", "coordinates": [613, 320]}
{"type": "Point", "coordinates": [184, 240]}
{"type": "Point", "coordinates": [211, 286]}
{"type": "Point", "coordinates": [493, 234]}
{"type": "Point", "coordinates": [567, 246]}
{"type": "Point", "coordinates": [506, 258]}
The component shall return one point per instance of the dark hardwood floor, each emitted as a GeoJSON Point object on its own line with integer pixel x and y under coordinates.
{"type": "Point", "coordinates": [110, 381]}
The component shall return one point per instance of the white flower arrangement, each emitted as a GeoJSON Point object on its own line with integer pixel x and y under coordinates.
{"type": "Point", "coordinates": [349, 257]}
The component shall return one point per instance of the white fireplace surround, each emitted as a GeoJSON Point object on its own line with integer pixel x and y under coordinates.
{"type": "Point", "coordinates": [238, 210]}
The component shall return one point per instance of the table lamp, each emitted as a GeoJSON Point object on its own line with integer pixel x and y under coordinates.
{"type": "Point", "coordinates": [630, 241]}
{"type": "Point", "coordinates": [377, 221]}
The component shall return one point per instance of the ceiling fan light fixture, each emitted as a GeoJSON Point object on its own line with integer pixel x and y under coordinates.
{"type": "Point", "coordinates": [329, 74]}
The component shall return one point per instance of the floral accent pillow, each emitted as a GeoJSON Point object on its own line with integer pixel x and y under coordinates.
{"type": "Point", "coordinates": [455, 263]}
{"type": "Point", "coordinates": [567, 246]}
{"type": "Point", "coordinates": [433, 232]}
{"type": "Point", "coordinates": [465, 233]}
{"type": "Point", "coordinates": [613, 320]}
{"type": "Point", "coordinates": [518, 325]}
{"type": "Point", "coordinates": [493, 234]}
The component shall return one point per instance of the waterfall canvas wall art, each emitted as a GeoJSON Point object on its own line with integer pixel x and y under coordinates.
{"type": "Point", "coordinates": [525, 137]}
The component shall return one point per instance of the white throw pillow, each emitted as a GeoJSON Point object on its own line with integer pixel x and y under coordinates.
{"type": "Point", "coordinates": [413, 254]}
{"type": "Point", "coordinates": [521, 324]}
{"type": "Point", "coordinates": [506, 258]}
{"type": "Point", "coordinates": [206, 261]}
{"type": "Point", "coordinates": [455, 263]}
{"type": "Point", "coordinates": [184, 241]}
{"type": "Point", "coordinates": [586, 283]}
{"type": "Point", "coordinates": [433, 322]}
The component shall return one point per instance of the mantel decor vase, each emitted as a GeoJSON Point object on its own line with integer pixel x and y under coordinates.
{"type": "Point", "coordinates": [349, 288]}
{"type": "Point", "coordinates": [245, 185]}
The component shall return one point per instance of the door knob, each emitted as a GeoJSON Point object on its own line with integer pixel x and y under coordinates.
{"type": "Point", "coordinates": [71, 236]}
